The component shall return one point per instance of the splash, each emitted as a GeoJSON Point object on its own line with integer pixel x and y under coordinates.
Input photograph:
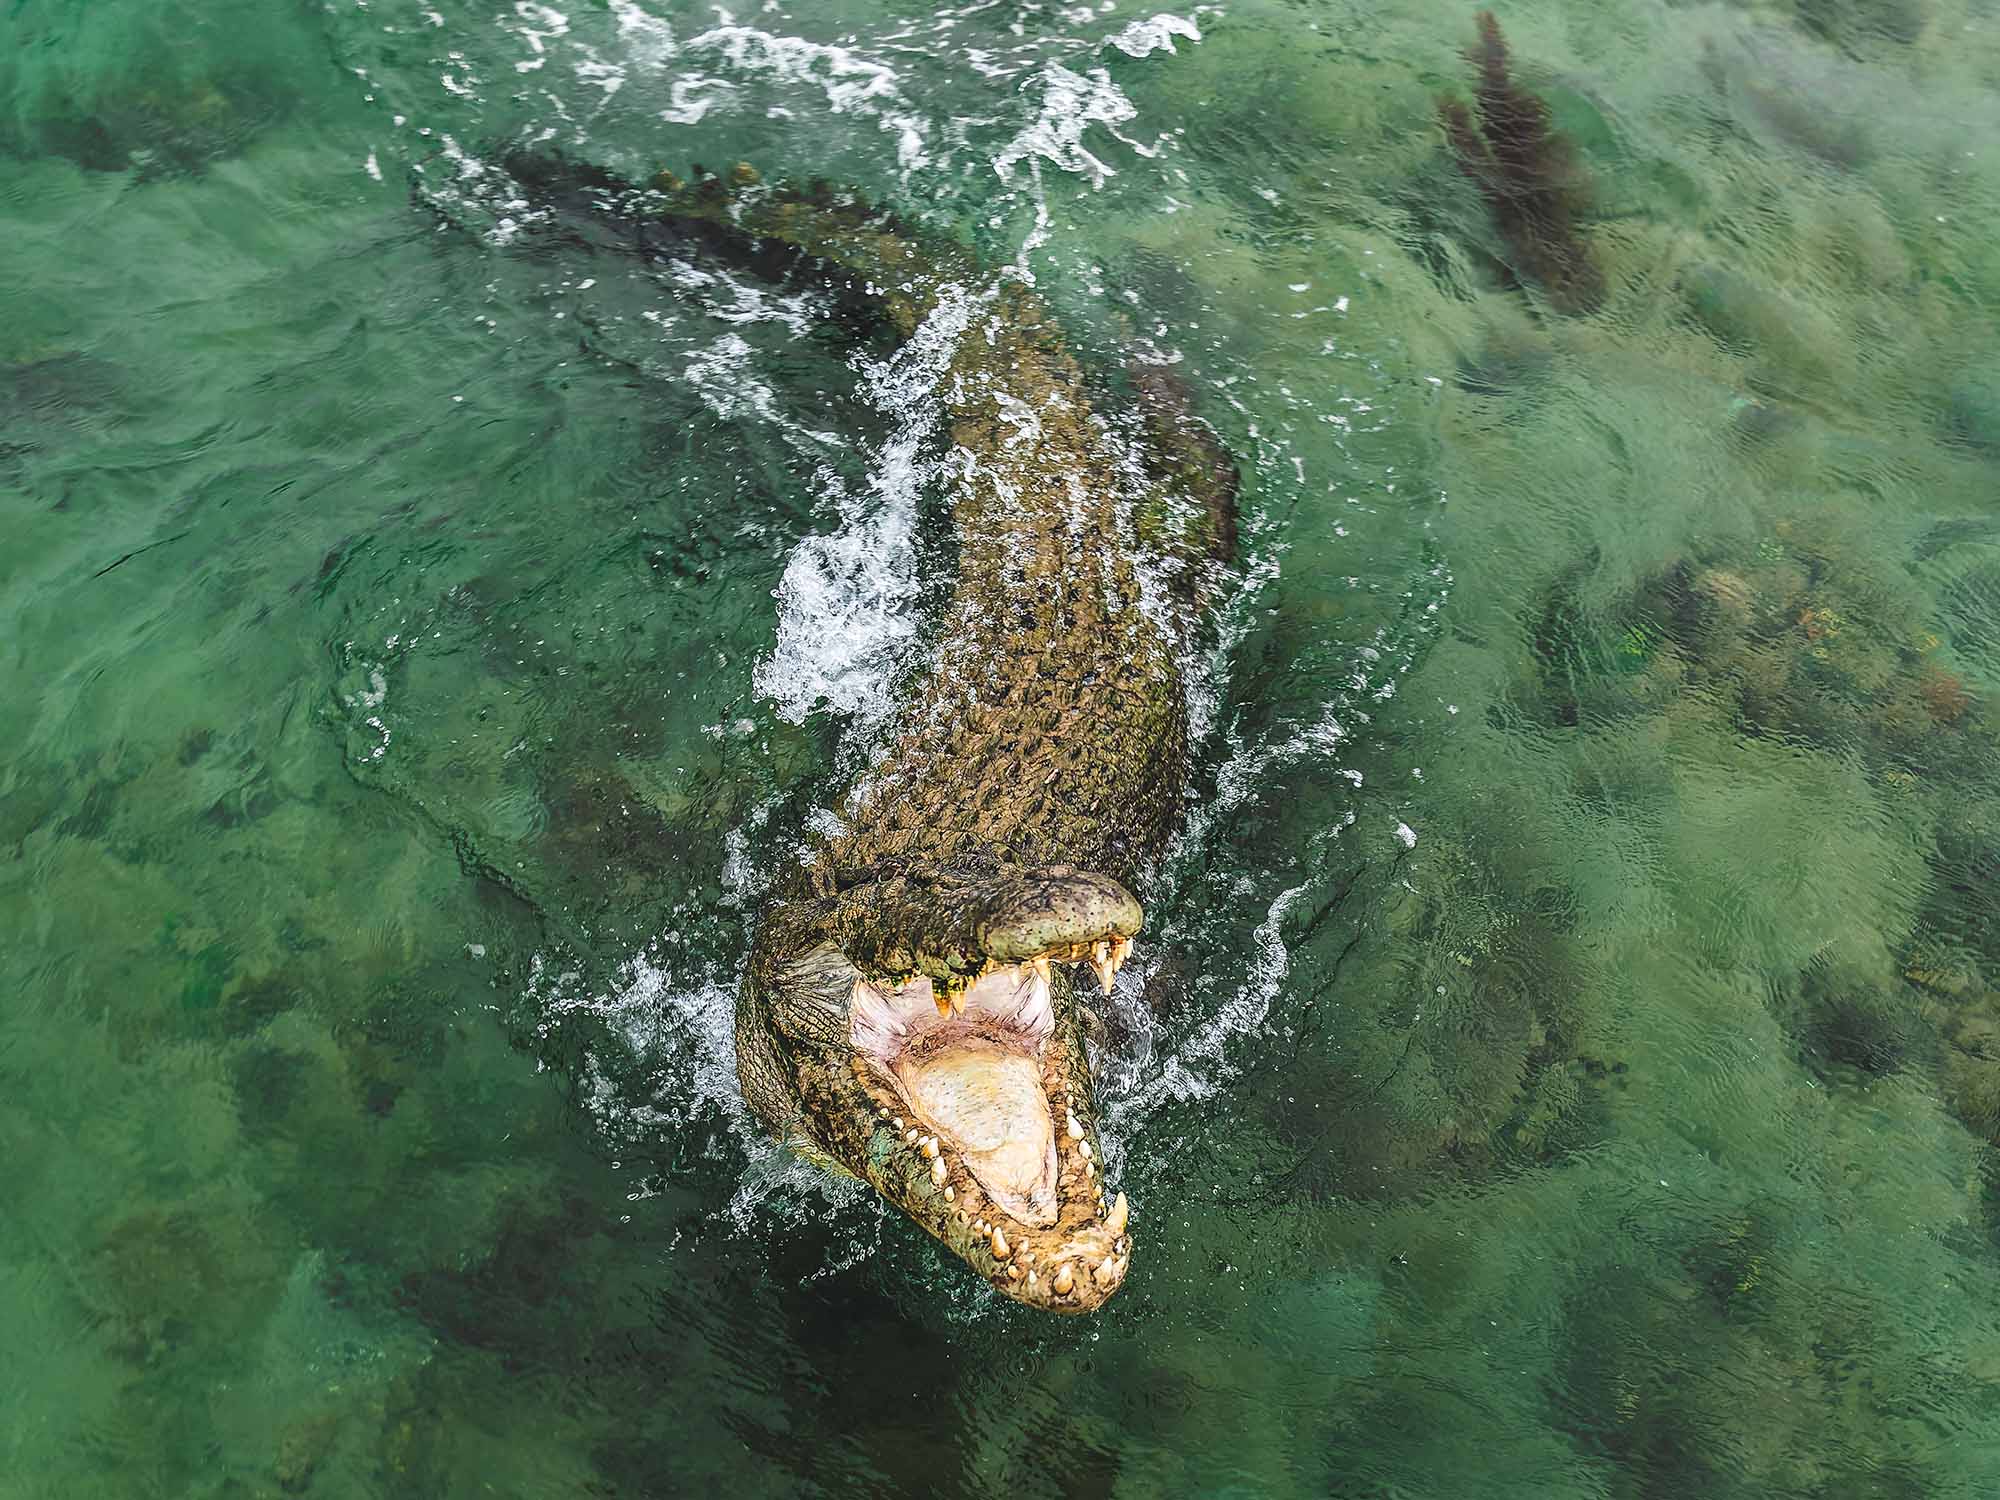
{"type": "Point", "coordinates": [849, 82]}
{"type": "Point", "coordinates": [1200, 1065]}
{"type": "Point", "coordinates": [1142, 38]}
{"type": "Point", "coordinates": [665, 1068]}
{"type": "Point", "coordinates": [1070, 104]}
{"type": "Point", "coordinates": [723, 374]}
{"type": "Point", "coordinates": [668, 1056]}
{"type": "Point", "coordinates": [847, 606]}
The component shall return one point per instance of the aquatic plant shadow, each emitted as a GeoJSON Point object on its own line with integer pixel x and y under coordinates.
{"type": "Point", "coordinates": [1528, 172]}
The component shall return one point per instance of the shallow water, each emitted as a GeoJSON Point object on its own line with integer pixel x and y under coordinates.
{"type": "Point", "coordinates": [1567, 1056]}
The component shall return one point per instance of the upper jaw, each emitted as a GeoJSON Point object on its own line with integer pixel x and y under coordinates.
{"type": "Point", "coordinates": [983, 1132]}
{"type": "Point", "coordinates": [956, 924]}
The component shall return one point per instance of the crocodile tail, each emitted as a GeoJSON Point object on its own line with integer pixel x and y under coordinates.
{"type": "Point", "coordinates": [770, 229]}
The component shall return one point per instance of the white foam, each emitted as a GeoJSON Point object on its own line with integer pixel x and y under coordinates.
{"type": "Point", "coordinates": [722, 374]}
{"type": "Point", "coordinates": [1071, 103]}
{"type": "Point", "coordinates": [1200, 1065]}
{"type": "Point", "coordinates": [643, 37]}
{"type": "Point", "coordinates": [686, 107]}
{"type": "Point", "coordinates": [670, 1066]}
{"type": "Point", "coordinates": [366, 701]}
{"type": "Point", "coordinates": [532, 16]}
{"type": "Point", "coordinates": [1153, 35]}
{"type": "Point", "coordinates": [847, 605]}
{"type": "Point", "coordinates": [683, 1036]}
{"type": "Point", "coordinates": [850, 82]}
{"type": "Point", "coordinates": [844, 604]}
{"type": "Point", "coordinates": [722, 296]}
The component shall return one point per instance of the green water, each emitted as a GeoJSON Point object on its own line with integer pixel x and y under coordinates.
{"type": "Point", "coordinates": [1566, 1061]}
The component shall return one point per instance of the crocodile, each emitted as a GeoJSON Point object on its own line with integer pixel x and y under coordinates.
{"type": "Point", "coordinates": [913, 1009]}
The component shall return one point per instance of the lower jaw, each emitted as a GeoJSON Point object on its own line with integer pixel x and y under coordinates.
{"type": "Point", "coordinates": [1071, 1265]}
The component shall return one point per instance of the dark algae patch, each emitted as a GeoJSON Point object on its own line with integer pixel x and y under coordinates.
{"type": "Point", "coordinates": [1529, 174]}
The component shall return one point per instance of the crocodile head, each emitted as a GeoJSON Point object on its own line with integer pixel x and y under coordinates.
{"type": "Point", "coordinates": [930, 1042]}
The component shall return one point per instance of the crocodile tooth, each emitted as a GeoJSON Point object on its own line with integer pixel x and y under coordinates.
{"type": "Point", "coordinates": [1090, 1171]}
{"type": "Point", "coordinates": [910, 1137]}
{"type": "Point", "coordinates": [1000, 1248]}
{"type": "Point", "coordinates": [1075, 1129]}
{"type": "Point", "coordinates": [1120, 951]}
{"type": "Point", "coordinates": [1084, 1147]}
{"type": "Point", "coordinates": [895, 1122]}
{"type": "Point", "coordinates": [1106, 1272]}
{"type": "Point", "coordinates": [1121, 1211]}
{"type": "Point", "coordinates": [1031, 1281]}
{"type": "Point", "coordinates": [1014, 1272]}
{"type": "Point", "coordinates": [1101, 964]}
{"type": "Point", "coordinates": [1065, 1280]}
{"type": "Point", "coordinates": [949, 1194]}
{"type": "Point", "coordinates": [937, 1170]}
{"type": "Point", "coordinates": [941, 997]}
{"type": "Point", "coordinates": [930, 1147]}
{"type": "Point", "coordinates": [1041, 967]}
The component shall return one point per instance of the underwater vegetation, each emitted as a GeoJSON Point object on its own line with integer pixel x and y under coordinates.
{"type": "Point", "coordinates": [1804, 640]}
{"type": "Point", "coordinates": [1795, 640]}
{"type": "Point", "coordinates": [154, 90]}
{"type": "Point", "coordinates": [1931, 1000]}
{"type": "Point", "coordinates": [1447, 1010]}
{"type": "Point", "coordinates": [1851, 24]}
{"type": "Point", "coordinates": [1528, 172]}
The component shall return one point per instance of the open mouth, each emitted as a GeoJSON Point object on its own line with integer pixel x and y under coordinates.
{"type": "Point", "coordinates": [983, 1089]}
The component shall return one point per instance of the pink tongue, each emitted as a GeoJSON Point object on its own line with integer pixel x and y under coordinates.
{"type": "Point", "coordinates": [985, 1102]}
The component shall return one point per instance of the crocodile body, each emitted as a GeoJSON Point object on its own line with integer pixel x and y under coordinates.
{"type": "Point", "coordinates": [911, 1009]}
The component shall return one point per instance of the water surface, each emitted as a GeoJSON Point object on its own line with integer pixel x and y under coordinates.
{"type": "Point", "coordinates": [1566, 1058]}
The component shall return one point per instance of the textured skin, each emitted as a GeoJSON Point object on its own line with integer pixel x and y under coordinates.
{"type": "Point", "coordinates": [1041, 762]}
{"type": "Point", "coordinates": [1052, 729]}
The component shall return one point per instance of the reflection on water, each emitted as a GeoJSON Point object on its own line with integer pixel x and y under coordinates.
{"type": "Point", "coordinates": [1567, 1055]}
